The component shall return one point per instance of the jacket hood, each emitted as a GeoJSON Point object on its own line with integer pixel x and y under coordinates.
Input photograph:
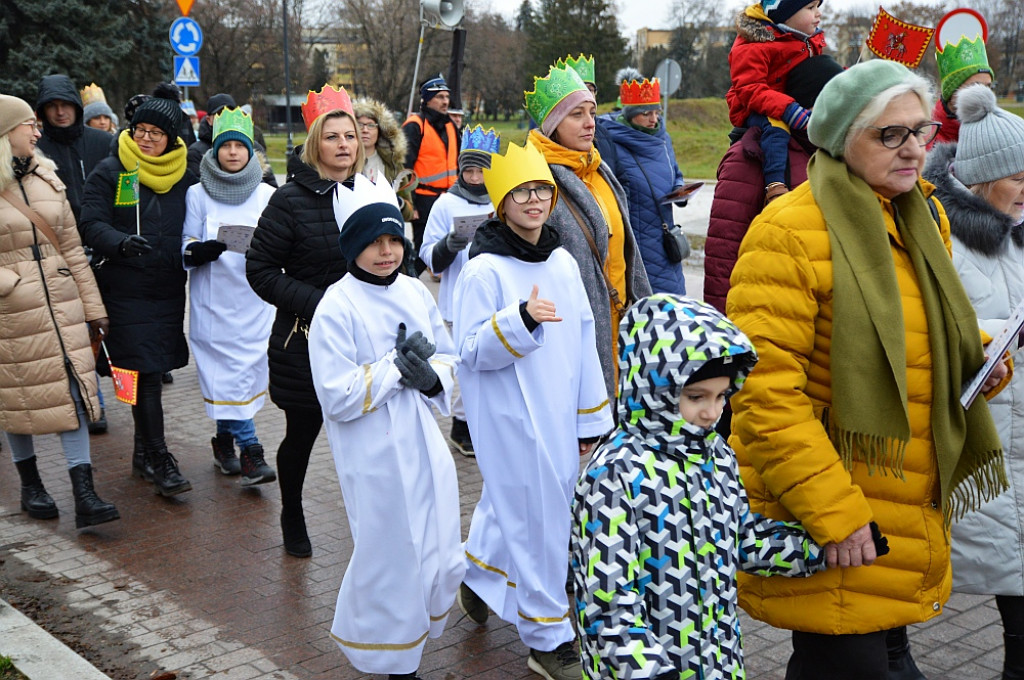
{"type": "Point", "coordinates": [633, 139]}
{"type": "Point", "coordinates": [972, 219]}
{"type": "Point", "coordinates": [391, 141]}
{"type": "Point", "coordinates": [663, 340]}
{"type": "Point", "coordinates": [754, 25]}
{"type": "Point", "coordinates": [205, 131]}
{"type": "Point", "coordinates": [305, 175]}
{"type": "Point", "coordinates": [57, 87]}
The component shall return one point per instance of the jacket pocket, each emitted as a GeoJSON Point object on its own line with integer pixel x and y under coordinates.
{"type": "Point", "coordinates": [8, 280]}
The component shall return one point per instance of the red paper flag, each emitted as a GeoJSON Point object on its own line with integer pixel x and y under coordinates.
{"type": "Point", "coordinates": [126, 380]}
{"type": "Point", "coordinates": [897, 40]}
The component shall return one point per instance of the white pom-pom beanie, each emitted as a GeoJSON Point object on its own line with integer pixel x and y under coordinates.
{"type": "Point", "coordinates": [991, 144]}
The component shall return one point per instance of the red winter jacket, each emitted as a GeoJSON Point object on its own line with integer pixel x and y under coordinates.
{"type": "Point", "coordinates": [759, 61]}
{"type": "Point", "coordinates": [739, 197]}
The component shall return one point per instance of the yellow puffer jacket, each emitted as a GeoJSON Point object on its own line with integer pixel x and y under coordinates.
{"type": "Point", "coordinates": [781, 297]}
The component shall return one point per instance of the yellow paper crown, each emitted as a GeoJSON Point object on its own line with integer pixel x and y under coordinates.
{"type": "Point", "coordinates": [520, 164]}
{"type": "Point", "coordinates": [92, 93]}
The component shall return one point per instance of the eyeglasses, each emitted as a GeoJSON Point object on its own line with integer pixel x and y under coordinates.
{"type": "Point", "coordinates": [895, 136]}
{"type": "Point", "coordinates": [155, 135]}
{"type": "Point", "coordinates": [368, 126]}
{"type": "Point", "coordinates": [522, 195]}
{"type": "Point", "coordinates": [649, 114]}
{"type": "Point", "coordinates": [29, 122]}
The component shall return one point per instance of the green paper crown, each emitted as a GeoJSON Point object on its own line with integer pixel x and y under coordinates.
{"type": "Point", "coordinates": [232, 120]}
{"type": "Point", "coordinates": [560, 82]}
{"type": "Point", "coordinates": [582, 65]}
{"type": "Point", "coordinates": [959, 62]}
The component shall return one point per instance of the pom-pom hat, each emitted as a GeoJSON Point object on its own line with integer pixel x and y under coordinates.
{"type": "Point", "coordinates": [164, 113]}
{"type": "Point", "coordinates": [991, 144]}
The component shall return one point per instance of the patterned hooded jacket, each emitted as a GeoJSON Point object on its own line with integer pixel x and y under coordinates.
{"type": "Point", "coordinates": [661, 521]}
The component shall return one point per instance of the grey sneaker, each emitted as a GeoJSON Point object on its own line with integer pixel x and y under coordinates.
{"type": "Point", "coordinates": [562, 663]}
{"type": "Point", "coordinates": [471, 605]}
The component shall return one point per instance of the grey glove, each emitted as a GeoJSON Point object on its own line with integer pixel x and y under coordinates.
{"type": "Point", "coordinates": [454, 242]}
{"type": "Point", "coordinates": [416, 372]}
{"type": "Point", "coordinates": [133, 246]}
{"type": "Point", "coordinates": [417, 343]}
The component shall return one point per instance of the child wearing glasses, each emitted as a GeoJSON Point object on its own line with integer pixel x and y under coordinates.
{"type": "Point", "coordinates": [773, 37]}
{"type": "Point", "coordinates": [525, 334]}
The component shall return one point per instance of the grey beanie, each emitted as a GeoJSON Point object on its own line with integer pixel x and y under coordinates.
{"type": "Point", "coordinates": [991, 144]}
{"type": "Point", "coordinates": [94, 109]}
{"type": "Point", "coordinates": [845, 96]}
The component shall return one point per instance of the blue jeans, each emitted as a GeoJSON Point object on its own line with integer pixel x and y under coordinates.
{"type": "Point", "coordinates": [244, 431]}
{"type": "Point", "coordinates": [75, 443]}
{"type": "Point", "coordinates": [774, 146]}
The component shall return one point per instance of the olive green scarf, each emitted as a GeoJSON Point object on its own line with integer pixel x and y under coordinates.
{"type": "Point", "coordinates": [868, 419]}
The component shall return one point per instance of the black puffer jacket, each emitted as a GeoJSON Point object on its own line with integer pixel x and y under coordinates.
{"type": "Point", "coordinates": [293, 258]}
{"type": "Point", "coordinates": [144, 296]}
{"type": "Point", "coordinates": [76, 149]}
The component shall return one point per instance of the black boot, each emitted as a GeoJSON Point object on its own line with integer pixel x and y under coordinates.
{"type": "Point", "coordinates": [224, 458]}
{"type": "Point", "coordinates": [1013, 663]}
{"type": "Point", "coordinates": [254, 468]}
{"type": "Point", "coordinates": [901, 663]}
{"type": "Point", "coordinates": [140, 461]}
{"type": "Point", "coordinates": [90, 509]}
{"type": "Point", "coordinates": [293, 528]}
{"type": "Point", "coordinates": [34, 498]}
{"type": "Point", "coordinates": [166, 477]}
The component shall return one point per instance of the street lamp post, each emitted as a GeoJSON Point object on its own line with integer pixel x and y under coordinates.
{"type": "Point", "coordinates": [287, 84]}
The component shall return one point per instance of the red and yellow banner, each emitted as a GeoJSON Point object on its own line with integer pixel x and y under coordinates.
{"type": "Point", "coordinates": [896, 40]}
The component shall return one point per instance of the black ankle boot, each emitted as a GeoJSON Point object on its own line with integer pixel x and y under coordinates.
{"type": "Point", "coordinates": [254, 467]}
{"type": "Point", "coordinates": [166, 477]}
{"type": "Point", "coordinates": [1013, 663]}
{"type": "Point", "coordinates": [901, 663]}
{"type": "Point", "coordinates": [293, 528]}
{"type": "Point", "coordinates": [90, 509]}
{"type": "Point", "coordinates": [34, 498]}
{"type": "Point", "coordinates": [224, 458]}
{"type": "Point", "coordinates": [140, 461]}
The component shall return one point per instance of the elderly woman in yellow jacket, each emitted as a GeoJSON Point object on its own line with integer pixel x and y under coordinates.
{"type": "Point", "coordinates": [852, 416]}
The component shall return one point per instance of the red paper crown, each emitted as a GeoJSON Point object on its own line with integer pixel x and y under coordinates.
{"type": "Point", "coordinates": [638, 94]}
{"type": "Point", "coordinates": [326, 100]}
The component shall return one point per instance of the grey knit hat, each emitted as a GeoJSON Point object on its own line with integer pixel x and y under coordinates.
{"type": "Point", "coordinates": [991, 144]}
{"type": "Point", "coordinates": [97, 108]}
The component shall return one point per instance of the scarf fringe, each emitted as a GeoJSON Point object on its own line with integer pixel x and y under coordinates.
{"type": "Point", "coordinates": [985, 482]}
{"type": "Point", "coordinates": [879, 453]}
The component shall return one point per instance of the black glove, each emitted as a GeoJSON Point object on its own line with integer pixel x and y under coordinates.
{"type": "Point", "coordinates": [416, 372]}
{"type": "Point", "coordinates": [133, 246]}
{"type": "Point", "coordinates": [455, 242]}
{"type": "Point", "coordinates": [205, 251]}
{"type": "Point", "coordinates": [417, 343]}
{"type": "Point", "coordinates": [880, 541]}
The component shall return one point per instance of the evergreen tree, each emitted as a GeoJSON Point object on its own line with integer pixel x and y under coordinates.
{"type": "Point", "coordinates": [86, 39]}
{"type": "Point", "coordinates": [563, 27]}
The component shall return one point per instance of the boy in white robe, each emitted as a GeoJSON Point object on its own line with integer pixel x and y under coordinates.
{"type": "Point", "coordinates": [535, 400]}
{"type": "Point", "coordinates": [376, 373]}
{"type": "Point", "coordinates": [444, 247]}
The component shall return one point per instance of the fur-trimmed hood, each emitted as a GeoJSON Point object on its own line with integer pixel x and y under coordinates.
{"type": "Point", "coordinates": [391, 144]}
{"type": "Point", "coordinates": [972, 220]}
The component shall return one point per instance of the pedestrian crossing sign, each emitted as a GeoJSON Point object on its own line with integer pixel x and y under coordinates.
{"type": "Point", "coordinates": [186, 71]}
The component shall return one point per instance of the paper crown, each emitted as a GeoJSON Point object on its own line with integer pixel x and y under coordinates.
{"type": "Point", "coordinates": [326, 100]}
{"type": "Point", "coordinates": [232, 120]}
{"type": "Point", "coordinates": [519, 164]}
{"type": "Point", "coordinates": [364, 191]}
{"type": "Point", "coordinates": [637, 94]}
{"type": "Point", "coordinates": [584, 66]}
{"type": "Point", "coordinates": [959, 62]}
{"type": "Point", "coordinates": [476, 139]}
{"type": "Point", "coordinates": [559, 83]}
{"type": "Point", "coordinates": [91, 94]}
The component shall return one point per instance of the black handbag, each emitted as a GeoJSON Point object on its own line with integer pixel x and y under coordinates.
{"type": "Point", "coordinates": [677, 248]}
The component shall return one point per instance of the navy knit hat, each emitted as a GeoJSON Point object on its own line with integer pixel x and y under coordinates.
{"type": "Point", "coordinates": [779, 11]}
{"type": "Point", "coordinates": [366, 224]}
{"type": "Point", "coordinates": [164, 113]}
{"type": "Point", "coordinates": [430, 88]}
{"type": "Point", "coordinates": [217, 102]}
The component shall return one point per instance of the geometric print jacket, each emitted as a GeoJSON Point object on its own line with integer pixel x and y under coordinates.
{"type": "Point", "coordinates": [661, 520]}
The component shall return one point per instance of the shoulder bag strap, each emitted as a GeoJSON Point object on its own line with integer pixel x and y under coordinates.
{"type": "Point", "coordinates": [35, 217]}
{"type": "Point", "coordinates": [613, 294]}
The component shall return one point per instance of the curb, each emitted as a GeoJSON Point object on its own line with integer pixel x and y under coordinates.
{"type": "Point", "coordinates": [36, 653]}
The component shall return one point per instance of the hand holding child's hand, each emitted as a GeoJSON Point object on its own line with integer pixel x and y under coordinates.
{"type": "Point", "coordinates": [541, 310]}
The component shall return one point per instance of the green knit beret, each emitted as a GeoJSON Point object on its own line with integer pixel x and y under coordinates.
{"type": "Point", "coordinates": [845, 96]}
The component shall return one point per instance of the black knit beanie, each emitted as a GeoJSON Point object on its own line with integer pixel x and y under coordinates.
{"type": "Point", "coordinates": [163, 113]}
{"type": "Point", "coordinates": [217, 102]}
{"type": "Point", "coordinates": [805, 81]}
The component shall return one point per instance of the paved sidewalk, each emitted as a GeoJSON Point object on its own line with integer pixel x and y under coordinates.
{"type": "Point", "coordinates": [200, 585]}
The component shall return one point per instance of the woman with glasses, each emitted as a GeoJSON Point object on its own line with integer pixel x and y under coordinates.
{"type": "Point", "coordinates": [980, 181]}
{"type": "Point", "coordinates": [384, 145]}
{"type": "Point", "coordinates": [851, 423]}
{"type": "Point", "coordinates": [591, 215]}
{"type": "Point", "coordinates": [132, 215]}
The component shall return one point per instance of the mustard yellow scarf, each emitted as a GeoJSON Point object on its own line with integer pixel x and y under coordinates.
{"type": "Point", "coordinates": [157, 173]}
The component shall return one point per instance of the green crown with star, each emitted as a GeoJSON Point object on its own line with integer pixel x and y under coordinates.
{"type": "Point", "coordinates": [559, 83]}
{"type": "Point", "coordinates": [232, 120]}
{"type": "Point", "coordinates": [959, 62]}
{"type": "Point", "coordinates": [582, 65]}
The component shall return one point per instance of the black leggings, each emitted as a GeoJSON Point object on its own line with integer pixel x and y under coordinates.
{"type": "Point", "coordinates": [301, 429]}
{"type": "Point", "coordinates": [838, 657]}
{"type": "Point", "coordinates": [148, 411]}
{"type": "Point", "coordinates": [1011, 609]}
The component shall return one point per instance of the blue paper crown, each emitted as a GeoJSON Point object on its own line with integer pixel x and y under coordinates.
{"type": "Point", "coordinates": [476, 139]}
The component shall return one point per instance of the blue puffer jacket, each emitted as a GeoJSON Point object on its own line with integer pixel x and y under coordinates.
{"type": "Point", "coordinates": [646, 166]}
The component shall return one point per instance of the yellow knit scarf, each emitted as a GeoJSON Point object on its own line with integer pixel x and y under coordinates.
{"type": "Point", "coordinates": [157, 173]}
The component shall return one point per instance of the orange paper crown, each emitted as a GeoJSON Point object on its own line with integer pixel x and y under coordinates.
{"type": "Point", "coordinates": [326, 100]}
{"type": "Point", "coordinates": [639, 94]}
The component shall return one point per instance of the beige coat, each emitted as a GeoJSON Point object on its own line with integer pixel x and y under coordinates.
{"type": "Point", "coordinates": [44, 306]}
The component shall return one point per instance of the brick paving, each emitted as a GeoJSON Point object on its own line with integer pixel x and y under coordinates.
{"type": "Point", "coordinates": [199, 584]}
